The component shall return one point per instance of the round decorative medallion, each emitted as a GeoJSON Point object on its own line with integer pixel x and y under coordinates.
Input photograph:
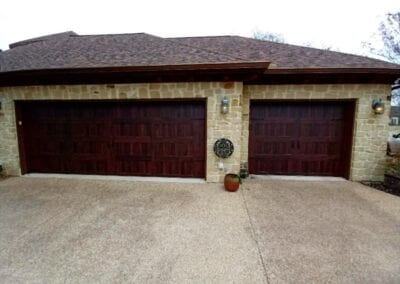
{"type": "Point", "coordinates": [223, 148]}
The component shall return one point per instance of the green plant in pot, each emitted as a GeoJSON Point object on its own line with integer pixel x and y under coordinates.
{"type": "Point", "coordinates": [232, 182]}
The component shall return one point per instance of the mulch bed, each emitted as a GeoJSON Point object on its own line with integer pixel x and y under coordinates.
{"type": "Point", "coordinates": [381, 186]}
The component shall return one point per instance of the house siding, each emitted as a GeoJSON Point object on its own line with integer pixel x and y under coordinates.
{"type": "Point", "coordinates": [370, 131]}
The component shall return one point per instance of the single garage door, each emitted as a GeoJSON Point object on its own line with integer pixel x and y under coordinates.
{"type": "Point", "coordinates": [153, 138]}
{"type": "Point", "coordinates": [301, 138]}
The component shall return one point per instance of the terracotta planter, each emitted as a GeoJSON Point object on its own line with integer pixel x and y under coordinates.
{"type": "Point", "coordinates": [231, 182]}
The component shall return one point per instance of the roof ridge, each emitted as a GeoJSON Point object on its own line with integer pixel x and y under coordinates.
{"type": "Point", "coordinates": [120, 34]}
{"type": "Point", "coordinates": [182, 37]}
{"type": "Point", "coordinates": [42, 38]}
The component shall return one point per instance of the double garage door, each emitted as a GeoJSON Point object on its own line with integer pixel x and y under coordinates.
{"type": "Point", "coordinates": [167, 138]}
{"type": "Point", "coordinates": [113, 138]}
{"type": "Point", "coordinates": [301, 138]}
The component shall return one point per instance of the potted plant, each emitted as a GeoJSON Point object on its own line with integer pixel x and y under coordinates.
{"type": "Point", "coordinates": [232, 182]}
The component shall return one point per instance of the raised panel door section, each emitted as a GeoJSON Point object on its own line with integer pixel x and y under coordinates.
{"type": "Point", "coordinates": [300, 138]}
{"type": "Point", "coordinates": [152, 138]}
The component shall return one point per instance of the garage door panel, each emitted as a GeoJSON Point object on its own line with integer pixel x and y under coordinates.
{"type": "Point", "coordinates": [300, 138]}
{"type": "Point", "coordinates": [122, 138]}
{"type": "Point", "coordinates": [85, 165]}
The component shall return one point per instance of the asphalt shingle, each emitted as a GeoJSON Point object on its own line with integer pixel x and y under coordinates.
{"type": "Point", "coordinates": [282, 55]}
{"type": "Point", "coordinates": [70, 50]}
{"type": "Point", "coordinates": [73, 51]}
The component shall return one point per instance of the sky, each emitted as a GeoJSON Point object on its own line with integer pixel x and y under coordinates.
{"type": "Point", "coordinates": [339, 24]}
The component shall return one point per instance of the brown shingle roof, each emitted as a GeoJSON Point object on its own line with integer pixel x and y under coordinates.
{"type": "Point", "coordinates": [43, 38]}
{"type": "Point", "coordinates": [69, 50]}
{"type": "Point", "coordinates": [282, 55]}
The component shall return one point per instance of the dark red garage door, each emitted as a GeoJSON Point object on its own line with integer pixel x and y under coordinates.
{"type": "Point", "coordinates": [120, 138]}
{"type": "Point", "coordinates": [300, 138]}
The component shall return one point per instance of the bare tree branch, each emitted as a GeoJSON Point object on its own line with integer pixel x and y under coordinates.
{"type": "Point", "coordinates": [270, 36]}
{"type": "Point", "coordinates": [389, 35]}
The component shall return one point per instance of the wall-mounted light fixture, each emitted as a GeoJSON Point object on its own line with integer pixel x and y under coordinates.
{"type": "Point", "coordinates": [378, 106]}
{"type": "Point", "coordinates": [224, 105]}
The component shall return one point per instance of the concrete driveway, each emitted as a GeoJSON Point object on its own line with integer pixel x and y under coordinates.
{"type": "Point", "coordinates": [83, 231]}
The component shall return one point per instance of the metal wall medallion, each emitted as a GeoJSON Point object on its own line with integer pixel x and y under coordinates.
{"type": "Point", "coordinates": [223, 148]}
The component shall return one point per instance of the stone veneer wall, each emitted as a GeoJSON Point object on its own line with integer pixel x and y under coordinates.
{"type": "Point", "coordinates": [370, 131]}
{"type": "Point", "coordinates": [218, 125]}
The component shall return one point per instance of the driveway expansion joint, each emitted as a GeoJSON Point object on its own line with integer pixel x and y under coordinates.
{"type": "Point", "coordinates": [253, 235]}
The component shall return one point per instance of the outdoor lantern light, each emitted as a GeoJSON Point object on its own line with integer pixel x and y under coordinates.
{"type": "Point", "coordinates": [224, 105]}
{"type": "Point", "coordinates": [378, 106]}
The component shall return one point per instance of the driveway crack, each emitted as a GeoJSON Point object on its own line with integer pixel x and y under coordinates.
{"type": "Point", "coordinates": [253, 235]}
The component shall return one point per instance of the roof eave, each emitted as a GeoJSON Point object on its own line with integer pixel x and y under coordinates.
{"type": "Point", "coordinates": [240, 71]}
{"type": "Point", "coordinates": [248, 72]}
{"type": "Point", "coordinates": [327, 76]}
{"type": "Point", "coordinates": [366, 70]}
